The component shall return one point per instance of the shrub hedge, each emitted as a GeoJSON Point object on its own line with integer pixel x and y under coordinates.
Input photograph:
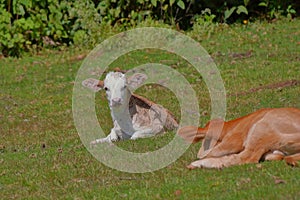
{"type": "Point", "coordinates": [34, 24]}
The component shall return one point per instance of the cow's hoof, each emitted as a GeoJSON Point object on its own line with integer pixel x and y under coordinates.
{"type": "Point", "coordinates": [191, 167]}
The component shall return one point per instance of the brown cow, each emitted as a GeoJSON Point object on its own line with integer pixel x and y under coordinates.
{"type": "Point", "coordinates": [267, 134]}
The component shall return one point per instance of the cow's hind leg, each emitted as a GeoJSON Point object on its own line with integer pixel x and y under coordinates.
{"type": "Point", "coordinates": [275, 155]}
{"type": "Point", "coordinates": [246, 156]}
{"type": "Point", "coordinates": [228, 146]}
{"type": "Point", "coordinates": [292, 159]}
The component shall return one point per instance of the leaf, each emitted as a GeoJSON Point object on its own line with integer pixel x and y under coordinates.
{"type": "Point", "coordinates": [246, 2]}
{"type": "Point", "coordinates": [178, 192]}
{"type": "Point", "coordinates": [279, 181]}
{"type": "Point", "coordinates": [165, 7]}
{"type": "Point", "coordinates": [181, 4]}
{"type": "Point", "coordinates": [228, 13]}
{"type": "Point", "coordinates": [154, 2]}
{"type": "Point", "coordinates": [292, 11]}
{"type": "Point", "coordinates": [242, 9]}
{"type": "Point", "coordinates": [21, 10]}
{"type": "Point", "coordinates": [263, 4]}
{"type": "Point", "coordinates": [172, 2]}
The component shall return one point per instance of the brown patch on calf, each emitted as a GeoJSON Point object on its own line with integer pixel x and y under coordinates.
{"type": "Point", "coordinates": [100, 84]}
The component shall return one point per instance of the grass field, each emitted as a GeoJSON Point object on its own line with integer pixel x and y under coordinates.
{"type": "Point", "coordinates": [42, 157]}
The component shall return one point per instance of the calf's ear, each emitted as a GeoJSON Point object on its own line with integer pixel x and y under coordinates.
{"type": "Point", "coordinates": [93, 84]}
{"type": "Point", "coordinates": [136, 80]}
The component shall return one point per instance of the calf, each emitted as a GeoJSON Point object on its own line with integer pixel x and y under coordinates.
{"type": "Point", "coordinates": [267, 134]}
{"type": "Point", "coordinates": [133, 116]}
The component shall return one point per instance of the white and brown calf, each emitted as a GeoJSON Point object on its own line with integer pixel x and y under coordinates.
{"type": "Point", "coordinates": [133, 116]}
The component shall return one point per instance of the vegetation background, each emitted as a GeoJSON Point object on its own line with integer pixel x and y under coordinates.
{"type": "Point", "coordinates": [29, 25]}
{"type": "Point", "coordinates": [255, 44]}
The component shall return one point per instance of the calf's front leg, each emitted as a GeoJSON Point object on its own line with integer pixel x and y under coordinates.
{"type": "Point", "coordinates": [142, 134]}
{"type": "Point", "coordinates": [112, 137]}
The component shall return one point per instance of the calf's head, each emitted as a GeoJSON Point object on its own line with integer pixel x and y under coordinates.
{"type": "Point", "coordinates": [117, 86]}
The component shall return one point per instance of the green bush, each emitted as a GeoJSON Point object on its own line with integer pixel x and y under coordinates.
{"type": "Point", "coordinates": [34, 24]}
{"type": "Point", "coordinates": [135, 11]}
{"type": "Point", "coordinates": [27, 24]}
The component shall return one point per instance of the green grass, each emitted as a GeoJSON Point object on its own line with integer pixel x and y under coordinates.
{"type": "Point", "coordinates": [42, 157]}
